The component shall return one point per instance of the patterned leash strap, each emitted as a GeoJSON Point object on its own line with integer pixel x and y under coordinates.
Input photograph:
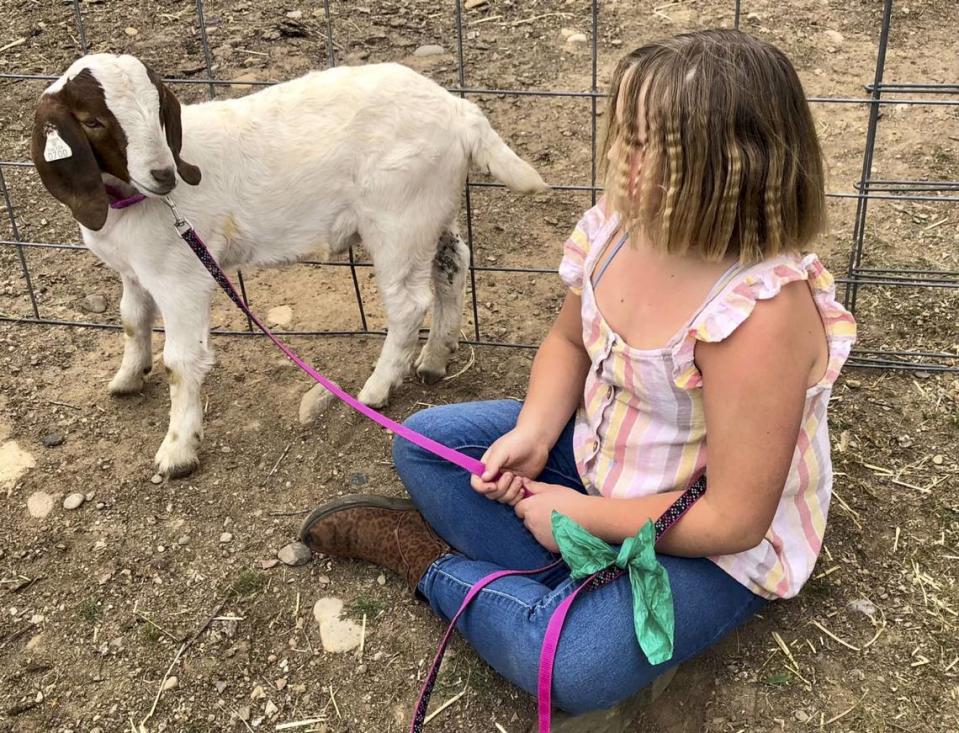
{"type": "Point", "coordinates": [555, 626]}
{"type": "Point", "coordinates": [189, 235]}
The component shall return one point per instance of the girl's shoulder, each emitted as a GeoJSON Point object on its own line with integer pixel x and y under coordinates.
{"type": "Point", "coordinates": [590, 233]}
{"type": "Point", "coordinates": [736, 301]}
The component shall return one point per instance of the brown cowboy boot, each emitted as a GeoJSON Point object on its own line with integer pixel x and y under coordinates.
{"type": "Point", "coordinates": [382, 530]}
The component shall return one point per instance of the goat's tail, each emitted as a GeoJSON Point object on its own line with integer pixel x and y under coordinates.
{"type": "Point", "coordinates": [490, 153]}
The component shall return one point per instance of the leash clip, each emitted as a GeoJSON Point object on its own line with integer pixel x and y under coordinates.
{"type": "Point", "coordinates": [181, 225]}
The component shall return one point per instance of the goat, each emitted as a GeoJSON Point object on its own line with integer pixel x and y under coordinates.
{"type": "Point", "coordinates": [374, 155]}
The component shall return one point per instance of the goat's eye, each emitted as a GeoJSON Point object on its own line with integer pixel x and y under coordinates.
{"type": "Point", "coordinates": [92, 124]}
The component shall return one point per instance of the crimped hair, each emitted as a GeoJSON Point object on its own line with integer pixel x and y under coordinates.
{"type": "Point", "coordinates": [731, 160]}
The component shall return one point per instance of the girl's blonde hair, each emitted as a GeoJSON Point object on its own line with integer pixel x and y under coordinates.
{"type": "Point", "coordinates": [731, 161]}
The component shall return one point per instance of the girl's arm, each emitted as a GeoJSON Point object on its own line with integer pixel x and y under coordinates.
{"type": "Point", "coordinates": [558, 375]}
{"type": "Point", "coordinates": [754, 386]}
{"type": "Point", "coordinates": [555, 390]}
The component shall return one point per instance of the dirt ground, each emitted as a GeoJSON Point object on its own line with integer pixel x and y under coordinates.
{"type": "Point", "coordinates": [96, 602]}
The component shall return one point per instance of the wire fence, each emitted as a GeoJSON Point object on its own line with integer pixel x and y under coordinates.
{"type": "Point", "coordinates": [857, 277]}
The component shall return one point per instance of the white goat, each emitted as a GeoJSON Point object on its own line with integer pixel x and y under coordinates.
{"type": "Point", "coordinates": [376, 155]}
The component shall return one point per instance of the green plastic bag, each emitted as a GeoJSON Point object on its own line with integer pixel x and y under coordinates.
{"type": "Point", "coordinates": [653, 617]}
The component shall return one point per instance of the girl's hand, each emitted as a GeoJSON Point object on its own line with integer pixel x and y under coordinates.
{"type": "Point", "coordinates": [536, 510]}
{"type": "Point", "coordinates": [518, 454]}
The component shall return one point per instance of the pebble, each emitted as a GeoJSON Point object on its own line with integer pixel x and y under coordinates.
{"type": "Point", "coordinates": [249, 76]}
{"type": "Point", "coordinates": [381, 579]}
{"type": "Point", "coordinates": [258, 692]}
{"type": "Point", "coordinates": [313, 403]}
{"type": "Point", "coordinates": [835, 37]}
{"type": "Point", "coordinates": [295, 14]}
{"type": "Point", "coordinates": [226, 537]}
{"type": "Point", "coordinates": [156, 479]}
{"type": "Point", "coordinates": [801, 715]}
{"type": "Point", "coordinates": [73, 501]}
{"type": "Point", "coordinates": [323, 580]}
{"type": "Point", "coordinates": [171, 683]}
{"type": "Point", "coordinates": [131, 31]}
{"type": "Point", "coordinates": [863, 605]}
{"type": "Point", "coordinates": [270, 709]}
{"type": "Point", "coordinates": [94, 303]}
{"type": "Point", "coordinates": [429, 50]}
{"type": "Point", "coordinates": [937, 460]}
{"type": "Point", "coordinates": [40, 504]}
{"type": "Point", "coordinates": [295, 553]}
{"type": "Point", "coordinates": [577, 38]}
{"type": "Point", "coordinates": [52, 440]}
{"type": "Point", "coordinates": [220, 686]}
{"type": "Point", "coordinates": [267, 564]}
{"type": "Point", "coordinates": [359, 479]}
{"type": "Point", "coordinates": [183, 540]}
{"type": "Point", "coordinates": [471, 4]}
{"type": "Point", "coordinates": [280, 317]}
{"type": "Point", "coordinates": [243, 713]}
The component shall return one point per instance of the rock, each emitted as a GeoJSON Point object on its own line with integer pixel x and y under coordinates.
{"type": "Point", "coordinates": [327, 608]}
{"type": "Point", "coordinates": [220, 686]}
{"type": "Point", "coordinates": [267, 564]}
{"type": "Point", "coordinates": [835, 37]}
{"type": "Point", "coordinates": [94, 303]}
{"type": "Point", "coordinates": [567, 32]}
{"type": "Point", "coordinates": [340, 635]}
{"type": "Point", "coordinates": [14, 463]}
{"type": "Point", "coordinates": [863, 606]}
{"type": "Point", "coordinates": [314, 402]}
{"type": "Point", "coordinates": [295, 553]}
{"type": "Point", "coordinates": [801, 715]}
{"type": "Point", "coordinates": [280, 683]}
{"type": "Point", "coordinates": [359, 479]}
{"type": "Point", "coordinates": [472, 4]}
{"type": "Point", "coordinates": [40, 504]}
{"type": "Point", "coordinates": [226, 537]}
{"type": "Point", "coordinates": [381, 579]}
{"type": "Point", "coordinates": [336, 634]}
{"type": "Point", "coordinates": [937, 460]}
{"type": "Point", "coordinates": [270, 709]}
{"type": "Point", "coordinates": [429, 50]}
{"type": "Point", "coordinates": [52, 440]}
{"type": "Point", "coordinates": [238, 87]}
{"type": "Point", "coordinates": [156, 479]}
{"type": "Point", "coordinates": [73, 501]}
{"type": "Point", "coordinates": [295, 14]}
{"type": "Point", "coordinates": [243, 713]}
{"type": "Point", "coordinates": [258, 693]}
{"type": "Point", "coordinates": [280, 317]}
{"type": "Point", "coordinates": [577, 38]}
{"type": "Point", "coordinates": [131, 31]}
{"type": "Point", "coordinates": [171, 683]}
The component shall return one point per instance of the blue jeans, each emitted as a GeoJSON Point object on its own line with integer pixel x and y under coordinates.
{"type": "Point", "coordinates": [599, 662]}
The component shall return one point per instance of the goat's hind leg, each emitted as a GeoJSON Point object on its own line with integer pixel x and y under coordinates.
{"type": "Point", "coordinates": [137, 313]}
{"type": "Point", "coordinates": [450, 266]}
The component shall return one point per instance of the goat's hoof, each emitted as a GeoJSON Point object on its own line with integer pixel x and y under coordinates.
{"type": "Point", "coordinates": [430, 375]}
{"type": "Point", "coordinates": [313, 403]}
{"type": "Point", "coordinates": [126, 383]}
{"type": "Point", "coordinates": [431, 367]}
{"type": "Point", "coordinates": [175, 459]}
{"type": "Point", "coordinates": [374, 397]}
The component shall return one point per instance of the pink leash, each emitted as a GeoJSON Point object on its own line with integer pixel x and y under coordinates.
{"type": "Point", "coordinates": [189, 235]}
{"type": "Point", "coordinates": [555, 626]}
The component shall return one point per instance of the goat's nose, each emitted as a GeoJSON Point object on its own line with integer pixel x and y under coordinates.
{"type": "Point", "coordinates": [166, 177]}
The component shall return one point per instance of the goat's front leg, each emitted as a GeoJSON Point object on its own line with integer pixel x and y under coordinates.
{"type": "Point", "coordinates": [406, 299]}
{"type": "Point", "coordinates": [187, 358]}
{"type": "Point", "coordinates": [137, 313]}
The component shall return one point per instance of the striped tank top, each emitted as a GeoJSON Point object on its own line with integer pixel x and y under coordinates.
{"type": "Point", "coordinates": [641, 428]}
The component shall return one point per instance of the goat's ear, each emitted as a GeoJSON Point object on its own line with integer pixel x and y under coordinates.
{"type": "Point", "coordinates": [66, 164]}
{"type": "Point", "coordinates": [170, 117]}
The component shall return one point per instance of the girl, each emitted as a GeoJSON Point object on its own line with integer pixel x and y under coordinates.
{"type": "Point", "coordinates": [694, 341]}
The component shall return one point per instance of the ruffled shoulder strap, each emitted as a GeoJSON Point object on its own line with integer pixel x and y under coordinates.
{"type": "Point", "coordinates": [591, 230]}
{"type": "Point", "coordinates": [735, 303]}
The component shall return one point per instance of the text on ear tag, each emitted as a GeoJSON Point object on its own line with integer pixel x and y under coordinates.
{"type": "Point", "coordinates": [56, 148]}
